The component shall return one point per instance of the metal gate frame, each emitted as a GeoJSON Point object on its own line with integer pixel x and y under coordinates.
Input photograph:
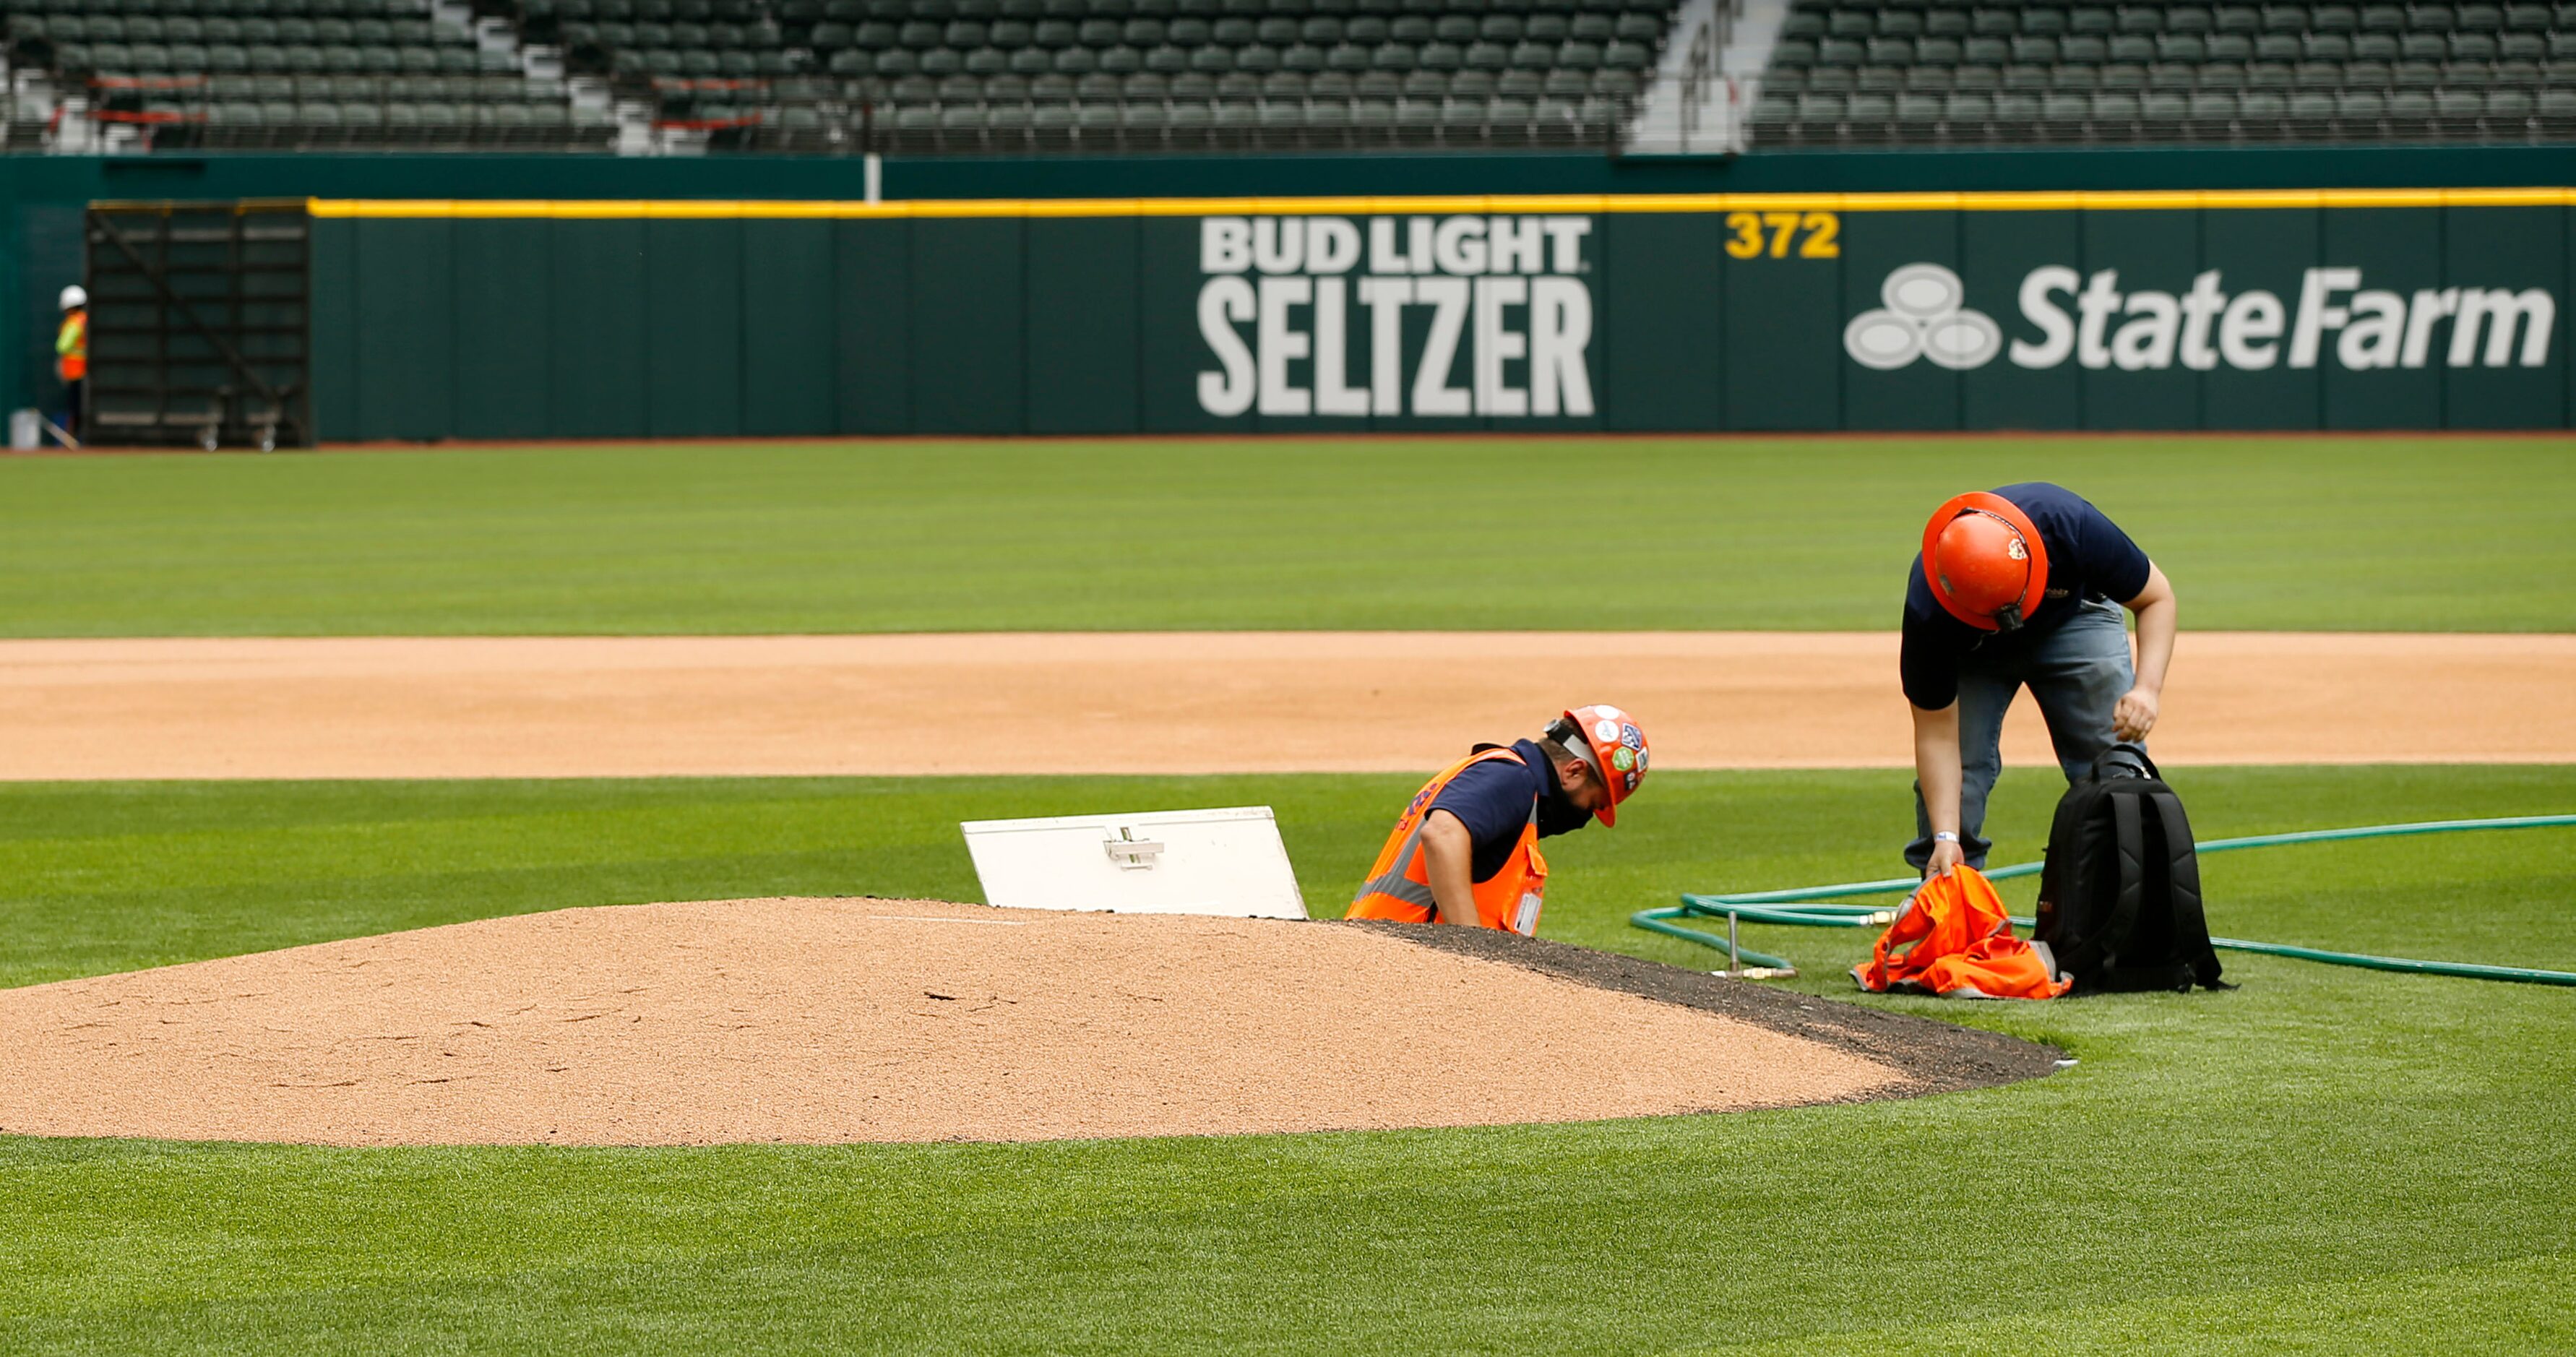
{"type": "Point", "coordinates": [191, 345]}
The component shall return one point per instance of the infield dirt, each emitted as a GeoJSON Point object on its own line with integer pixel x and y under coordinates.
{"type": "Point", "coordinates": [825, 1021]}
{"type": "Point", "coordinates": [1221, 702]}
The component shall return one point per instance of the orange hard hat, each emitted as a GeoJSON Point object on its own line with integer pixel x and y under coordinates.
{"type": "Point", "coordinates": [1613, 743]}
{"type": "Point", "coordinates": [1985, 561]}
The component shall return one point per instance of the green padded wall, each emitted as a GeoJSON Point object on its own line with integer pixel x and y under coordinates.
{"type": "Point", "coordinates": [1813, 313]}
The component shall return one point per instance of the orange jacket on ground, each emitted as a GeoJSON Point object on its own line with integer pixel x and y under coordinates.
{"type": "Point", "coordinates": [1954, 940]}
{"type": "Point", "coordinates": [1399, 886]}
{"type": "Point", "coordinates": [71, 346]}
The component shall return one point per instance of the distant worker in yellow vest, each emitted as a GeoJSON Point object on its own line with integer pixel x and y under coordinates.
{"type": "Point", "coordinates": [1466, 849]}
{"type": "Point", "coordinates": [71, 355]}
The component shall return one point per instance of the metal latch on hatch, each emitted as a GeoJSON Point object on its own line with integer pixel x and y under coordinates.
{"type": "Point", "coordinates": [1133, 854]}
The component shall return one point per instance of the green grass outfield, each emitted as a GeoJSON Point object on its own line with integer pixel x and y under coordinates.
{"type": "Point", "coordinates": [2325, 1160]}
{"type": "Point", "coordinates": [2292, 533]}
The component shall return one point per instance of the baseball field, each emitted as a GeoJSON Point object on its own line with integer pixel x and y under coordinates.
{"type": "Point", "coordinates": [270, 702]}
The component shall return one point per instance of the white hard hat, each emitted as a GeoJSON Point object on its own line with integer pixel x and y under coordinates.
{"type": "Point", "coordinates": [75, 295]}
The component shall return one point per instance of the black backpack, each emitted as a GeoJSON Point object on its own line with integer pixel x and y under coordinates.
{"type": "Point", "coordinates": [2119, 898]}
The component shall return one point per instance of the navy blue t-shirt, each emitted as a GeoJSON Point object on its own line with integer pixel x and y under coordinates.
{"type": "Point", "coordinates": [2088, 558]}
{"type": "Point", "coordinates": [1492, 799]}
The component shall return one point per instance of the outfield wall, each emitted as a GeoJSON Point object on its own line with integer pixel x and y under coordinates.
{"type": "Point", "coordinates": [2218, 310]}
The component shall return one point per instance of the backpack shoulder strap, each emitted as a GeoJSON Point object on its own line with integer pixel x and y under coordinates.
{"type": "Point", "coordinates": [2182, 874]}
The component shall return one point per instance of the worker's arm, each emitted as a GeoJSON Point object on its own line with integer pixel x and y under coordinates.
{"type": "Point", "coordinates": [1936, 772]}
{"type": "Point", "coordinates": [2155, 607]}
{"type": "Point", "coordinates": [1448, 853]}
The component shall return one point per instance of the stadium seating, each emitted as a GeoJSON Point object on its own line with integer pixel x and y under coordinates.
{"type": "Point", "coordinates": [1909, 71]}
{"type": "Point", "coordinates": [844, 75]}
{"type": "Point", "coordinates": [999, 75]}
{"type": "Point", "coordinates": [294, 73]}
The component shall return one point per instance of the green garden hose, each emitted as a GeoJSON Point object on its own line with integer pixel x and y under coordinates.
{"type": "Point", "coordinates": [1800, 907]}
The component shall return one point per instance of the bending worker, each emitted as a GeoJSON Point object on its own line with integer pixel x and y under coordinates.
{"type": "Point", "coordinates": [2016, 588]}
{"type": "Point", "coordinates": [1465, 850]}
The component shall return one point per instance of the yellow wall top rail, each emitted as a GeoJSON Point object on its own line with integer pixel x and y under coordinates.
{"type": "Point", "coordinates": [2119, 200]}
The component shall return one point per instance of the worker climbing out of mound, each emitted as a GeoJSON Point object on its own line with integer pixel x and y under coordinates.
{"type": "Point", "coordinates": [1465, 851]}
{"type": "Point", "coordinates": [2013, 588]}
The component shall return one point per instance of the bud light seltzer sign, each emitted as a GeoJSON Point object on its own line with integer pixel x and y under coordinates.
{"type": "Point", "coordinates": [1396, 317]}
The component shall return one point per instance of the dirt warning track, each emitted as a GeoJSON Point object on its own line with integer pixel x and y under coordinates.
{"type": "Point", "coordinates": [1176, 702]}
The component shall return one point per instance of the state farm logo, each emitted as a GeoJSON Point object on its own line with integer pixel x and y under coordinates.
{"type": "Point", "coordinates": [2097, 323]}
{"type": "Point", "coordinates": [1922, 318]}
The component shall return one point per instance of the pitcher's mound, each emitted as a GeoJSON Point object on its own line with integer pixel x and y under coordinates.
{"type": "Point", "coordinates": [881, 1020]}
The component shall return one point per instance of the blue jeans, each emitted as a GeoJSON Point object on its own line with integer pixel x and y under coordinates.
{"type": "Point", "coordinates": [2077, 672]}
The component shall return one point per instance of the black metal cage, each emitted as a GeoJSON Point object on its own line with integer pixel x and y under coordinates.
{"type": "Point", "coordinates": [199, 323]}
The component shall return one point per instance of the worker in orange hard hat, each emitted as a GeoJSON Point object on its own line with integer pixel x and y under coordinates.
{"type": "Point", "coordinates": [2022, 587]}
{"type": "Point", "coordinates": [1465, 851]}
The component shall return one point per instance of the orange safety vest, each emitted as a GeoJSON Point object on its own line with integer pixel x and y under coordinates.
{"type": "Point", "coordinates": [72, 343]}
{"type": "Point", "coordinates": [1399, 886]}
{"type": "Point", "coordinates": [1954, 940]}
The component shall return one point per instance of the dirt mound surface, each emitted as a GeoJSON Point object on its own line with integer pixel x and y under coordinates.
{"type": "Point", "coordinates": [1178, 702]}
{"type": "Point", "coordinates": [824, 1021]}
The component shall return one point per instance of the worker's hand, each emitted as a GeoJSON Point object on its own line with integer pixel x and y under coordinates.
{"type": "Point", "coordinates": [1945, 855]}
{"type": "Point", "coordinates": [2135, 716]}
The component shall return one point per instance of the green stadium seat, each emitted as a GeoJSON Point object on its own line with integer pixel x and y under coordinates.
{"type": "Point", "coordinates": [1879, 79]}
{"type": "Point", "coordinates": [1927, 79]}
{"type": "Point", "coordinates": [2015, 112]}
{"type": "Point", "coordinates": [2083, 50]}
